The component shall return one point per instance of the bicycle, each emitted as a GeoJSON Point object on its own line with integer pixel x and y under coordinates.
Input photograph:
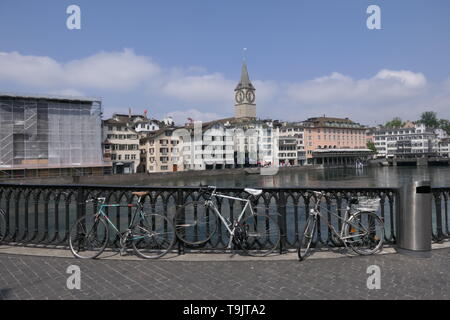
{"type": "Point", "coordinates": [196, 222]}
{"type": "Point", "coordinates": [362, 230]}
{"type": "Point", "coordinates": [151, 235]}
{"type": "Point", "coordinates": [2, 225]}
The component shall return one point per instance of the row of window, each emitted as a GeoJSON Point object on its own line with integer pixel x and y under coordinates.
{"type": "Point", "coordinates": [123, 147]}
{"type": "Point", "coordinates": [126, 157]}
{"type": "Point", "coordinates": [122, 136]}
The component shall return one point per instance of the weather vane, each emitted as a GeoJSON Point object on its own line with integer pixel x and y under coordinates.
{"type": "Point", "coordinates": [244, 58]}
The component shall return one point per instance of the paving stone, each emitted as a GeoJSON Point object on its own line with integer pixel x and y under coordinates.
{"type": "Point", "coordinates": [402, 277]}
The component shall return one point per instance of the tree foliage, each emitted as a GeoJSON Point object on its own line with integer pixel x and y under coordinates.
{"type": "Point", "coordinates": [371, 146]}
{"type": "Point", "coordinates": [395, 123]}
{"type": "Point", "coordinates": [429, 119]}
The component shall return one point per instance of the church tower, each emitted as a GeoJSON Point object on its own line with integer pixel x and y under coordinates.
{"type": "Point", "coordinates": [245, 106]}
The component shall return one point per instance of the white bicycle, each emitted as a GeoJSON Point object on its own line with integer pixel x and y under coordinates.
{"type": "Point", "coordinates": [362, 230]}
{"type": "Point", "coordinates": [256, 234]}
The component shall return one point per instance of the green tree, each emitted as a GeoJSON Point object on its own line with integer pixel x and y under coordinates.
{"type": "Point", "coordinates": [371, 146]}
{"type": "Point", "coordinates": [445, 125]}
{"type": "Point", "coordinates": [429, 119]}
{"type": "Point", "coordinates": [395, 123]}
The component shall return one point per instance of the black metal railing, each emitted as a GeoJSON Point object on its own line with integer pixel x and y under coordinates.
{"type": "Point", "coordinates": [44, 214]}
{"type": "Point", "coordinates": [440, 218]}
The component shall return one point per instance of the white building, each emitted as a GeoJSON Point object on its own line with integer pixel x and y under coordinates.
{"type": "Point", "coordinates": [292, 144]}
{"type": "Point", "coordinates": [444, 148]}
{"type": "Point", "coordinates": [416, 140]}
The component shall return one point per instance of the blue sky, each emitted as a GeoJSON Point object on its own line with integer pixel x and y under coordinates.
{"type": "Point", "coordinates": [183, 57]}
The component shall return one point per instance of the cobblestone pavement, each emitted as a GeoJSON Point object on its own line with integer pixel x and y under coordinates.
{"type": "Point", "coordinates": [402, 277]}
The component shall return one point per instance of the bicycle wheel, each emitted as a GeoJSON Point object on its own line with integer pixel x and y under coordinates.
{"type": "Point", "coordinates": [153, 237]}
{"type": "Point", "coordinates": [364, 232]}
{"type": "Point", "coordinates": [306, 239]}
{"type": "Point", "coordinates": [261, 235]}
{"type": "Point", "coordinates": [2, 226]}
{"type": "Point", "coordinates": [195, 223]}
{"type": "Point", "coordinates": [88, 237]}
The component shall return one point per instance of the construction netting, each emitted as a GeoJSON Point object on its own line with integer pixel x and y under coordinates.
{"type": "Point", "coordinates": [49, 133]}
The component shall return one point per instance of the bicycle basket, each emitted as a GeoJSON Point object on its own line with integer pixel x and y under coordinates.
{"type": "Point", "coordinates": [368, 204]}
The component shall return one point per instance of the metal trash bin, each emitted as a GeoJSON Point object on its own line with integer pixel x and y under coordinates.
{"type": "Point", "coordinates": [414, 219]}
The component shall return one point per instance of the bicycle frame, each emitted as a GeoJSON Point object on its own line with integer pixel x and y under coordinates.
{"type": "Point", "coordinates": [138, 206]}
{"type": "Point", "coordinates": [228, 224]}
{"type": "Point", "coordinates": [346, 219]}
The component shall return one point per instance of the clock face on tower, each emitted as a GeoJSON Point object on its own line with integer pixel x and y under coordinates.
{"type": "Point", "coordinates": [239, 96]}
{"type": "Point", "coordinates": [250, 96]}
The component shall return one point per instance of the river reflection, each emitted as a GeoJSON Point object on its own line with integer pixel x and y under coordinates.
{"type": "Point", "coordinates": [350, 177]}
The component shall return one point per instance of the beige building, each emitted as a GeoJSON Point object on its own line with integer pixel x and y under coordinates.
{"type": "Point", "coordinates": [160, 151]}
{"type": "Point", "coordinates": [121, 143]}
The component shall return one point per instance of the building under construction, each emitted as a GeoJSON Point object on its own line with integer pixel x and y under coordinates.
{"type": "Point", "coordinates": [43, 136]}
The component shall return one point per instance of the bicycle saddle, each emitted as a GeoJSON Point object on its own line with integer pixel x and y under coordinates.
{"type": "Point", "coordinates": [254, 192]}
{"type": "Point", "coordinates": [141, 194]}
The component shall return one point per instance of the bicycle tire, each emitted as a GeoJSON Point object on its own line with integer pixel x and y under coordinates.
{"type": "Point", "coordinates": [2, 226]}
{"type": "Point", "coordinates": [158, 236]}
{"type": "Point", "coordinates": [304, 244]}
{"type": "Point", "coordinates": [195, 223]}
{"type": "Point", "coordinates": [261, 235]}
{"type": "Point", "coordinates": [373, 241]}
{"type": "Point", "coordinates": [96, 246]}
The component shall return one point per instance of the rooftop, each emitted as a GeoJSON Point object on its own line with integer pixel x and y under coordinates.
{"type": "Point", "coordinates": [49, 97]}
{"type": "Point", "coordinates": [332, 122]}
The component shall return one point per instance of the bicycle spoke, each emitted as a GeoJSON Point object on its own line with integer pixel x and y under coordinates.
{"type": "Point", "coordinates": [260, 235]}
{"type": "Point", "coordinates": [88, 244]}
{"type": "Point", "coordinates": [154, 236]}
{"type": "Point", "coordinates": [195, 223]}
{"type": "Point", "coordinates": [365, 233]}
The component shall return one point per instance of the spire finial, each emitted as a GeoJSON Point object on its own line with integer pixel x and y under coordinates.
{"type": "Point", "coordinates": [244, 57]}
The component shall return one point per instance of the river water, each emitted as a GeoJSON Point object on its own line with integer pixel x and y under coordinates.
{"type": "Point", "coordinates": [330, 177]}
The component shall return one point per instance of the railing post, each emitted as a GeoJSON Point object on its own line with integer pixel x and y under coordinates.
{"type": "Point", "coordinates": [179, 203]}
{"type": "Point", "coordinates": [81, 204]}
{"type": "Point", "coordinates": [282, 219]}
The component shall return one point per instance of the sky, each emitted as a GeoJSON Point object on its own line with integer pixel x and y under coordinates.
{"type": "Point", "coordinates": [183, 57]}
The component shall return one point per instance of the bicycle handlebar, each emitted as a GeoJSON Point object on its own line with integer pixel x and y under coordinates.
{"type": "Point", "coordinates": [319, 193]}
{"type": "Point", "coordinates": [100, 199]}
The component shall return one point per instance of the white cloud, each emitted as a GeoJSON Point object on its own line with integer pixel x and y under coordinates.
{"type": "Point", "coordinates": [104, 70]}
{"type": "Point", "coordinates": [205, 88]}
{"type": "Point", "coordinates": [338, 88]}
{"type": "Point", "coordinates": [205, 95]}
{"type": "Point", "coordinates": [180, 116]}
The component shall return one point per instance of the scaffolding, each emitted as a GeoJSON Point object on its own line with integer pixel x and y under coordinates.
{"type": "Point", "coordinates": [49, 132]}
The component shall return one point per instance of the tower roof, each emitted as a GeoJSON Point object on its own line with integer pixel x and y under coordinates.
{"type": "Point", "coordinates": [245, 82]}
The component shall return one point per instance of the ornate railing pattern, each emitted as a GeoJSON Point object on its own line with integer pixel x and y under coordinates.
{"type": "Point", "coordinates": [440, 219]}
{"type": "Point", "coordinates": [44, 214]}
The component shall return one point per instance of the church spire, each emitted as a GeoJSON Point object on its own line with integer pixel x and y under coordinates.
{"type": "Point", "coordinates": [245, 106]}
{"type": "Point", "coordinates": [245, 82]}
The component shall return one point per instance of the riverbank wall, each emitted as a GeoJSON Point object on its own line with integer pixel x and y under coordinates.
{"type": "Point", "coordinates": [143, 178]}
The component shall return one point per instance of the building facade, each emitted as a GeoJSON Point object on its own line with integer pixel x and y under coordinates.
{"type": "Point", "coordinates": [325, 133]}
{"type": "Point", "coordinates": [50, 135]}
{"type": "Point", "coordinates": [391, 142]}
{"type": "Point", "coordinates": [160, 151]}
{"type": "Point", "coordinates": [290, 134]}
{"type": "Point", "coordinates": [121, 142]}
